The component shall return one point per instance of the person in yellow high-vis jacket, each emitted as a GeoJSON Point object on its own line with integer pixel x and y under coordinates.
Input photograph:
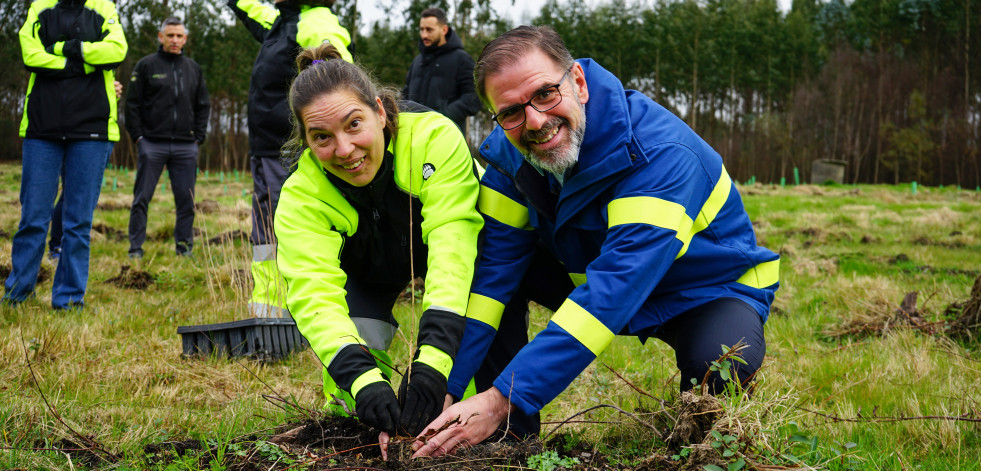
{"type": "Point", "coordinates": [71, 49]}
{"type": "Point", "coordinates": [282, 30]}
{"type": "Point", "coordinates": [381, 190]}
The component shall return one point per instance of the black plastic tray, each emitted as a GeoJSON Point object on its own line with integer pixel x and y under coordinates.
{"type": "Point", "coordinates": [263, 338]}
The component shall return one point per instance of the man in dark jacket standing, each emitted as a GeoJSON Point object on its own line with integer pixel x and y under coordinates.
{"type": "Point", "coordinates": [167, 111]}
{"type": "Point", "coordinates": [441, 76]}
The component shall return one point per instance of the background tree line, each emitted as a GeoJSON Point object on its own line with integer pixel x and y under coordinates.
{"type": "Point", "coordinates": [887, 86]}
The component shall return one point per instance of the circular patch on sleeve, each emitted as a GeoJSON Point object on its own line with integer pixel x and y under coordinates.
{"type": "Point", "coordinates": [428, 170]}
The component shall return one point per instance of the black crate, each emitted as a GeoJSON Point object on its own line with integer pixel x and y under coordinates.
{"type": "Point", "coordinates": [263, 338]}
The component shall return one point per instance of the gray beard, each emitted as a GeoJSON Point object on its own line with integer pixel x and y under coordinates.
{"type": "Point", "coordinates": [558, 161]}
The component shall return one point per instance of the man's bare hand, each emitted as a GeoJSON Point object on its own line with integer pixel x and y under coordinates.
{"type": "Point", "coordinates": [448, 401]}
{"type": "Point", "coordinates": [475, 419]}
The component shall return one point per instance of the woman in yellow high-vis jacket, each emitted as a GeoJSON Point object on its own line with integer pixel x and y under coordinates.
{"type": "Point", "coordinates": [348, 239]}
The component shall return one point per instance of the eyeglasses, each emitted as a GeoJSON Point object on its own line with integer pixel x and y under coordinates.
{"type": "Point", "coordinates": [543, 100]}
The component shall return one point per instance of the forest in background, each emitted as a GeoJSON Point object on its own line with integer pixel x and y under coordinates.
{"type": "Point", "coordinates": [887, 87]}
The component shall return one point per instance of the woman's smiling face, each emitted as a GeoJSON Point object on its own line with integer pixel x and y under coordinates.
{"type": "Point", "coordinates": [346, 135]}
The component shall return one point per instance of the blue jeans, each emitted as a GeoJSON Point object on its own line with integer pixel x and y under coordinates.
{"type": "Point", "coordinates": [84, 163]}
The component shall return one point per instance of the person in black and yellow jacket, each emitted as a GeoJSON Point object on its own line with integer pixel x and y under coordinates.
{"type": "Point", "coordinates": [348, 243]}
{"type": "Point", "coordinates": [282, 30]}
{"type": "Point", "coordinates": [69, 126]}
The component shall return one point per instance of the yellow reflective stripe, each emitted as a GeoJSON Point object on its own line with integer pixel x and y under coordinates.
{"type": "Point", "coordinates": [502, 208]}
{"type": "Point", "coordinates": [762, 275]}
{"type": "Point", "coordinates": [653, 211]}
{"type": "Point", "coordinates": [662, 213]}
{"type": "Point", "coordinates": [485, 310]}
{"type": "Point", "coordinates": [318, 25]}
{"type": "Point", "coordinates": [259, 12]}
{"type": "Point", "coordinates": [436, 358]}
{"type": "Point", "coordinates": [578, 278]}
{"type": "Point", "coordinates": [585, 327]}
{"type": "Point", "coordinates": [373, 375]}
{"type": "Point", "coordinates": [716, 200]}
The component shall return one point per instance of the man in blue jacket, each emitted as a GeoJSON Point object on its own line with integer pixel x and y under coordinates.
{"type": "Point", "coordinates": [650, 231]}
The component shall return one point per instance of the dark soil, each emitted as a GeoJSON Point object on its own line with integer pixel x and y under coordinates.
{"type": "Point", "coordinates": [813, 235]}
{"type": "Point", "coordinates": [228, 237]}
{"type": "Point", "coordinates": [133, 279]}
{"type": "Point", "coordinates": [111, 233]}
{"type": "Point", "coordinates": [903, 259]}
{"type": "Point", "coordinates": [420, 287]}
{"type": "Point", "coordinates": [167, 233]}
{"type": "Point", "coordinates": [207, 206]}
{"type": "Point", "coordinates": [960, 320]}
{"type": "Point", "coordinates": [340, 443]}
{"type": "Point", "coordinates": [967, 315]}
{"type": "Point", "coordinates": [334, 443]}
{"type": "Point", "coordinates": [44, 274]}
{"type": "Point", "coordinates": [952, 244]}
{"type": "Point", "coordinates": [112, 206]}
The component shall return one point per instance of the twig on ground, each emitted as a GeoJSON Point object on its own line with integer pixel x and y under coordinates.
{"type": "Point", "coordinates": [340, 402]}
{"type": "Point", "coordinates": [368, 351]}
{"type": "Point", "coordinates": [275, 394]}
{"type": "Point", "coordinates": [92, 444]}
{"type": "Point", "coordinates": [507, 418]}
{"type": "Point", "coordinates": [628, 414]}
{"type": "Point", "coordinates": [660, 401]}
{"type": "Point", "coordinates": [884, 419]}
{"type": "Point", "coordinates": [432, 432]}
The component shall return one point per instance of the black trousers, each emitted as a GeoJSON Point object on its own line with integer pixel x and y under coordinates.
{"type": "Point", "coordinates": [696, 336]}
{"type": "Point", "coordinates": [181, 160]}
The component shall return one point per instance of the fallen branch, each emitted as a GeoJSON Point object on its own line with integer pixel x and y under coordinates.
{"type": "Point", "coordinates": [885, 419]}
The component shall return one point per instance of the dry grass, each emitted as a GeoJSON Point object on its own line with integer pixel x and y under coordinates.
{"type": "Point", "coordinates": [114, 372]}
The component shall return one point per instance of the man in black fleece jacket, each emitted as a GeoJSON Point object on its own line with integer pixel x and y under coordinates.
{"type": "Point", "coordinates": [167, 110]}
{"type": "Point", "coordinates": [441, 76]}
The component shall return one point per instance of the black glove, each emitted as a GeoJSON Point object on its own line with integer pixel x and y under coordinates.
{"type": "Point", "coordinates": [73, 49]}
{"type": "Point", "coordinates": [421, 395]}
{"type": "Point", "coordinates": [377, 406]}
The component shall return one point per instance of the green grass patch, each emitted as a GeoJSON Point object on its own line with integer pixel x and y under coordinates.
{"type": "Point", "coordinates": [114, 372]}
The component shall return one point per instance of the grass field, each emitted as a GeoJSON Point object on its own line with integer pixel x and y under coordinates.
{"type": "Point", "coordinates": [846, 385]}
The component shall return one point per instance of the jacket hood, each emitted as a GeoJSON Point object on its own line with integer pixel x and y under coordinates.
{"type": "Point", "coordinates": [453, 41]}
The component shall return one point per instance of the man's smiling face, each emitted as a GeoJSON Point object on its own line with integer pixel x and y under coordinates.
{"type": "Point", "coordinates": [549, 139]}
